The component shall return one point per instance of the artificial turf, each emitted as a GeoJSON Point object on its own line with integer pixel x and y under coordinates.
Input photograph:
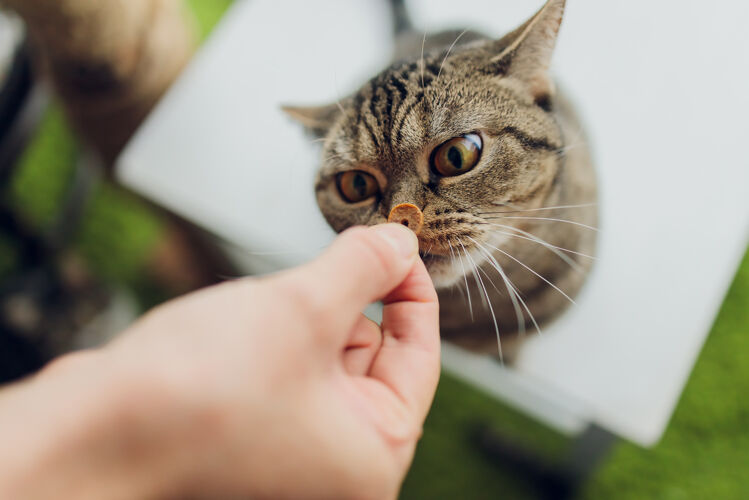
{"type": "Point", "coordinates": [704, 453]}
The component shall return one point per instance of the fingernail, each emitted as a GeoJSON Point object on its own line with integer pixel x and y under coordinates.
{"type": "Point", "coordinates": [402, 239]}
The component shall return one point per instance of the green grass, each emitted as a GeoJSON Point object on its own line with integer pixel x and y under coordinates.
{"type": "Point", "coordinates": [41, 179]}
{"type": "Point", "coordinates": [448, 464]}
{"type": "Point", "coordinates": [704, 453]}
{"type": "Point", "coordinates": [208, 13]}
{"type": "Point", "coordinates": [118, 231]}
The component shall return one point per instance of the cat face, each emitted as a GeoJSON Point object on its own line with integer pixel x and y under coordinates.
{"type": "Point", "coordinates": [450, 137]}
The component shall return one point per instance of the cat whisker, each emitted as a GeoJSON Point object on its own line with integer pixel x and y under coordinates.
{"type": "Point", "coordinates": [574, 265]}
{"type": "Point", "coordinates": [486, 275]}
{"type": "Point", "coordinates": [549, 219]}
{"type": "Point", "coordinates": [429, 249]}
{"type": "Point", "coordinates": [421, 61]}
{"type": "Point", "coordinates": [518, 313]}
{"type": "Point", "coordinates": [511, 289]}
{"type": "Point", "coordinates": [534, 272]}
{"type": "Point", "coordinates": [538, 240]}
{"type": "Point", "coordinates": [476, 271]}
{"type": "Point", "coordinates": [448, 53]}
{"type": "Point", "coordinates": [519, 210]}
{"type": "Point", "coordinates": [472, 268]}
{"type": "Point", "coordinates": [569, 147]}
{"type": "Point", "coordinates": [579, 140]}
{"type": "Point", "coordinates": [465, 278]}
{"type": "Point", "coordinates": [457, 285]}
{"type": "Point", "coordinates": [338, 93]}
{"type": "Point", "coordinates": [489, 303]}
{"type": "Point", "coordinates": [465, 268]}
{"type": "Point", "coordinates": [460, 289]}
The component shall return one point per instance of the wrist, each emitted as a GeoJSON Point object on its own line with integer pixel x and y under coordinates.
{"type": "Point", "coordinates": [89, 432]}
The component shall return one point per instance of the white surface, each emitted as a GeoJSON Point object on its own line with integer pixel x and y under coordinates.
{"type": "Point", "coordinates": [662, 87]}
{"type": "Point", "coordinates": [220, 151]}
{"type": "Point", "coordinates": [11, 35]}
{"type": "Point", "coordinates": [553, 408]}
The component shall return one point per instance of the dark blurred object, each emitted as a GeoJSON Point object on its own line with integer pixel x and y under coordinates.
{"type": "Point", "coordinates": [49, 296]}
{"type": "Point", "coordinates": [20, 108]}
{"type": "Point", "coordinates": [49, 302]}
{"type": "Point", "coordinates": [123, 58]}
{"type": "Point", "coordinates": [553, 479]}
{"type": "Point", "coordinates": [109, 62]}
{"type": "Point", "coordinates": [21, 102]}
{"type": "Point", "coordinates": [401, 18]}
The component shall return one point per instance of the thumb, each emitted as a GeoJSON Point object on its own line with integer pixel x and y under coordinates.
{"type": "Point", "coordinates": [362, 266]}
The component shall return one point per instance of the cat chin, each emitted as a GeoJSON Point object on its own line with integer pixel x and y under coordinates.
{"type": "Point", "coordinates": [444, 273]}
{"type": "Point", "coordinates": [442, 282]}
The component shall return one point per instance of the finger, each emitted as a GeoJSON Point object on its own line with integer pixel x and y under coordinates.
{"type": "Point", "coordinates": [409, 360]}
{"type": "Point", "coordinates": [362, 266]}
{"type": "Point", "coordinates": [362, 345]}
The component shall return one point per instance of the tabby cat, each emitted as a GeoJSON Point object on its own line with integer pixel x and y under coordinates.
{"type": "Point", "coordinates": [466, 141]}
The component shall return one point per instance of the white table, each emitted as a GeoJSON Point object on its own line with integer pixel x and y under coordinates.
{"type": "Point", "coordinates": [663, 90]}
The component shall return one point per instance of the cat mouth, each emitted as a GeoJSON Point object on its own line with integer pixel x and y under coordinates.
{"type": "Point", "coordinates": [430, 258]}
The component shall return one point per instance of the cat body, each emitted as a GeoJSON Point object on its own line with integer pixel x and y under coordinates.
{"type": "Point", "coordinates": [467, 139]}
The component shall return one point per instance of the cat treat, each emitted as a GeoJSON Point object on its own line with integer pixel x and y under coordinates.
{"type": "Point", "coordinates": [409, 215]}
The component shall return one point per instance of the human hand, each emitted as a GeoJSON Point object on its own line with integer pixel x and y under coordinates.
{"type": "Point", "coordinates": [279, 387]}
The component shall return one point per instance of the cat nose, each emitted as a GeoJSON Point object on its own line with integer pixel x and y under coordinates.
{"type": "Point", "coordinates": [409, 215]}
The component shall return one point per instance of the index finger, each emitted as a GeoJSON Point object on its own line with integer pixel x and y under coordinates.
{"type": "Point", "coordinates": [409, 360]}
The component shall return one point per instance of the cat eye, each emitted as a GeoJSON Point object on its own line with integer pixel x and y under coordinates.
{"type": "Point", "coordinates": [457, 156]}
{"type": "Point", "coordinates": [356, 186]}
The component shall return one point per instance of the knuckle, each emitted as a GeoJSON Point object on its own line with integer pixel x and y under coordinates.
{"type": "Point", "coordinates": [303, 301]}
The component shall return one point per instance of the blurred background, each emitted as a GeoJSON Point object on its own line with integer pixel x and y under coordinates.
{"type": "Point", "coordinates": [78, 252]}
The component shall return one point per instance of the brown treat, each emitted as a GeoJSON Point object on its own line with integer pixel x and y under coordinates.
{"type": "Point", "coordinates": [409, 215]}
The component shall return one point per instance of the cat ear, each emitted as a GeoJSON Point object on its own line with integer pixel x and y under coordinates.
{"type": "Point", "coordinates": [316, 119]}
{"type": "Point", "coordinates": [526, 52]}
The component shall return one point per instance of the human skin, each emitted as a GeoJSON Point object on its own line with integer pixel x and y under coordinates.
{"type": "Point", "coordinates": [257, 388]}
